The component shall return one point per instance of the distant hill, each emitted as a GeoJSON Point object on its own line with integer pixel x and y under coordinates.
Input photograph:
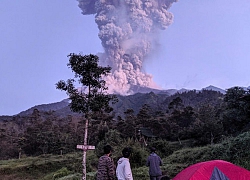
{"type": "Point", "coordinates": [157, 99]}
{"type": "Point", "coordinates": [136, 101]}
{"type": "Point", "coordinates": [5, 118]}
{"type": "Point", "coordinates": [213, 88]}
{"type": "Point", "coordinates": [61, 107]}
{"type": "Point", "coordinates": [131, 101]}
{"type": "Point", "coordinates": [138, 89]}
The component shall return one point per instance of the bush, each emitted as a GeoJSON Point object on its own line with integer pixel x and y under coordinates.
{"type": "Point", "coordinates": [190, 155]}
{"type": "Point", "coordinates": [61, 173]}
{"type": "Point", "coordinates": [140, 173]}
{"type": "Point", "coordinates": [232, 149]}
{"type": "Point", "coordinates": [163, 147]}
{"type": "Point", "coordinates": [71, 177]}
{"type": "Point", "coordinates": [91, 161]}
{"type": "Point", "coordinates": [139, 157]}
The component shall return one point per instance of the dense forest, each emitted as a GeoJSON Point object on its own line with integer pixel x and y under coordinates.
{"type": "Point", "coordinates": [205, 117]}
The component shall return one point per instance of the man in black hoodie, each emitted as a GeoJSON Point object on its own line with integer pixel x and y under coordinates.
{"type": "Point", "coordinates": [154, 162]}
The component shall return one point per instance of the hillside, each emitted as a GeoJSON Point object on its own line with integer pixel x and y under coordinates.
{"type": "Point", "coordinates": [156, 99]}
{"type": "Point", "coordinates": [57, 106]}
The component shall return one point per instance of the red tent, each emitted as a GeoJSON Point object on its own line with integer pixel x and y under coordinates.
{"type": "Point", "coordinates": [213, 170]}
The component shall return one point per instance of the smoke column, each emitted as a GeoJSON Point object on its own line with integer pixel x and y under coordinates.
{"type": "Point", "coordinates": [128, 29]}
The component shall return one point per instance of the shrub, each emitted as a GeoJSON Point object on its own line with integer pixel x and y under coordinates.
{"type": "Point", "coordinates": [190, 155]}
{"type": "Point", "coordinates": [163, 147]}
{"type": "Point", "coordinates": [61, 173]}
{"type": "Point", "coordinates": [140, 173]}
{"type": "Point", "coordinates": [71, 177]}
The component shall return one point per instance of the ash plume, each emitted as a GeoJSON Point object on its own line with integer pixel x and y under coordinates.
{"type": "Point", "coordinates": [128, 30]}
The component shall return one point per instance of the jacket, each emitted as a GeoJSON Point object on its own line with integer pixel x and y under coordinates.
{"type": "Point", "coordinates": [106, 168]}
{"type": "Point", "coordinates": [154, 162]}
{"type": "Point", "coordinates": [123, 170]}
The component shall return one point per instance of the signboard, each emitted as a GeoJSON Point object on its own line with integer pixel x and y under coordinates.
{"type": "Point", "coordinates": [87, 147]}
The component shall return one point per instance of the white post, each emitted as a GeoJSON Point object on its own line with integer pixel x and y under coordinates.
{"type": "Point", "coordinates": [84, 151]}
{"type": "Point", "coordinates": [85, 147]}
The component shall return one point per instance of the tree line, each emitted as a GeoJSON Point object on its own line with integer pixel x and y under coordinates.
{"type": "Point", "coordinates": [207, 122]}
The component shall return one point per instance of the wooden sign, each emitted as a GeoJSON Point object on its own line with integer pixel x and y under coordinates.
{"type": "Point", "coordinates": [87, 147]}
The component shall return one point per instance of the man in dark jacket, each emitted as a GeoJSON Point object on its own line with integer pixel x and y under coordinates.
{"type": "Point", "coordinates": [106, 167]}
{"type": "Point", "coordinates": [154, 162]}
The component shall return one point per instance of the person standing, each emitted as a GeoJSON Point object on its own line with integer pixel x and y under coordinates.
{"type": "Point", "coordinates": [154, 162]}
{"type": "Point", "coordinates": [123, 170]}
{"type": "Point", "coordinates": [106, 167]}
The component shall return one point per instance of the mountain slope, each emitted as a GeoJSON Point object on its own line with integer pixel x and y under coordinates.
{"type": "Point", "coordinates": [47, 107]}
{"type": "Point", "coordinates": [156, 99]}
{"type": "Point", "coordinates": [213, 88]}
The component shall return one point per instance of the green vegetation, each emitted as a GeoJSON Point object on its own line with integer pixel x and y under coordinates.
{"type": "Point", "coordinates": [68, 166]}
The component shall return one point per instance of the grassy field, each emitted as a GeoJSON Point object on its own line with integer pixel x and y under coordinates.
{"type": "Point", "coordinates": [44, 167]}
{"type": "Point", "coordinates": [69, 166]}
{"type": "Point", "coordinates": [50, 167]}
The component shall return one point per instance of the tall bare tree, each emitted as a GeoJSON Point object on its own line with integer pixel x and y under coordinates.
{"type": "Point", "coordinates": [92, 95]}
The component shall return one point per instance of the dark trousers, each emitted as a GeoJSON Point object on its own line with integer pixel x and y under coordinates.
{"type": "Point", "coordinates": [155, 177]}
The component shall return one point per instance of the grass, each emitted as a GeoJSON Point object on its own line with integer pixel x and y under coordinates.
{"type": "Point", "coordinates": [52, 167]}
{"type": "Point", "coordinates": [35, 167]}
{"type": "Point", "coordinates": [69, 166]}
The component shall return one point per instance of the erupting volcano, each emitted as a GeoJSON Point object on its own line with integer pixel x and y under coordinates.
{"type": "Point", "coordinates": [128, 30]}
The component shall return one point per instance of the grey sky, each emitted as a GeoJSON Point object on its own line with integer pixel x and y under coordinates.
{"type": "Point", "coordinates": [208, 44]}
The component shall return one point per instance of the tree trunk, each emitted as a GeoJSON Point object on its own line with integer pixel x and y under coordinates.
{"type": "Point", "coordinates": [179, 140]}
{"type": "Point", "coordinates": [85, 150]}
{"type": "Point", "coordinates": [19, 155]}
{"type": "Point", "coordinates": [212, 139]}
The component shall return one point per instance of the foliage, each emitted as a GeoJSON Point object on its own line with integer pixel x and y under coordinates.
{"type": "Point", "coordinates": [207, 127]}
{"type": "Point", "coordinates": [236, 112]}
{"type": "Point", "coordinates": [76, 176]}
{"type": "Point", "coordinates": [140, 173]}
{"type": "Point", "coordinates": [190, 155]}
{"type": "Point", "coordinates": [61, 173]}
{"type": "Point", "coordinates": [186, 132]}
{"type": "Point", "coordinates": [46, 132]}
{"type": "Point", "coordinates": [163, 147]}
{"type": "Point", "coordinates": [93, 95]}
{"type": "Point", "coordinates": [41, 167]}
{"type": "Point", "coordinates": [233, 149]}
{"type": "Point", "coordinates": [112, 138]}
{"type": "Point", "coordinates": [138, 157]}
{"type": "Point", "coordinates": [237, 148]}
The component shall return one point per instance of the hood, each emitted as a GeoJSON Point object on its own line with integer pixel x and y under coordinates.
{"type": "Point", "coordinates": [121, 160]}
{"type": "Point", "coordinates": [153, 154]}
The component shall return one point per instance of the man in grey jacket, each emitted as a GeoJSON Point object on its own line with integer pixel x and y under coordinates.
{"type": "Point", "coordinates": [154, 162]}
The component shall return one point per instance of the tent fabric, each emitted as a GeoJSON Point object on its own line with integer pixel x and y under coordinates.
{"type": "Point", "coordinates": [218, 175]}
{"type": "Point", "coordinates": [204, 171]}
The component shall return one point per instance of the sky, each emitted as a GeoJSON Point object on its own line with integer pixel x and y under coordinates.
{"type": "Point", "coordinates": [208, 43]}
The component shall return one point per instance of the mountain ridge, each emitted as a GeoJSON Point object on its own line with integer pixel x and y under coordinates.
{"type": "Point", "coordinates": [123, 103]}
{"type": "Point", "coordinates": [61, 108]}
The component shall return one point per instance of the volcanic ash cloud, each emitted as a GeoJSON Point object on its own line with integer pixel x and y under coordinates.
{"type": "Point", "coordinates": [128, 30]}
